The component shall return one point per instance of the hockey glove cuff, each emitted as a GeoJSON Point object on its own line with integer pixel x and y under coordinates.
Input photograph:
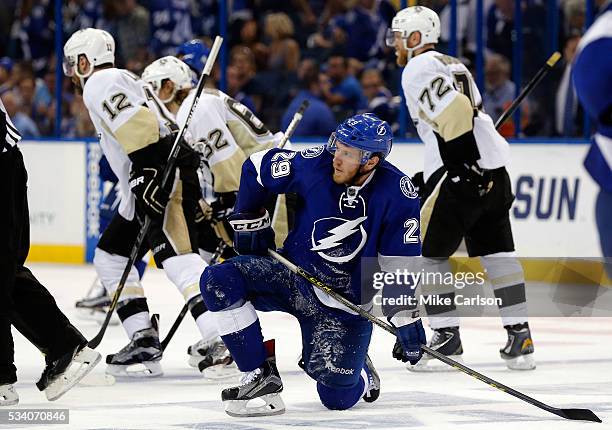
{"type": "Point", "coordinates": [253, 234]}
{"type": "Point", "coordinates": [145, 184]}
{"type": "Point", "coordinates": [409, 340]}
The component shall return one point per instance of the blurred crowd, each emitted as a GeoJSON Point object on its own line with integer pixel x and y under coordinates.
{"type": "Point", "coordinates": [331, 52]}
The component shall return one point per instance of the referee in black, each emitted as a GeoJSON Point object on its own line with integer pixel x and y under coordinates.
{"type": "Point", "coordinates": [24, 302]}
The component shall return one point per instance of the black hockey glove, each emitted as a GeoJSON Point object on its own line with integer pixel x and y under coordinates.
{"type": "Point", "coordinates": [253, 234]}
{"type": "Point", "coordinates": [419, 183]}
{"type": "Point", "coordinates": [150, 196]}
{"type": "Point", "coordinates": [410, 337]}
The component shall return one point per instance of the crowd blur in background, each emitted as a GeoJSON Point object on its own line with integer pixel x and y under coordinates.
{"type": "Point", "coordinates": [331, 52]}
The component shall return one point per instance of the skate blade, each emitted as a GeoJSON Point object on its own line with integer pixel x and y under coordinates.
{"type": "Point", "coordinates": [84, 361]}
{"type": "Point", "coordinates": [433, 365]}
{"type": "Point", "coordinates": [522, 362]}
{"type": "Point", "coordinates": [273, 405]}
{"type": "Point", "coordinates": [221, 372]}
{"type": "Point", "coordinates": [146, 369]}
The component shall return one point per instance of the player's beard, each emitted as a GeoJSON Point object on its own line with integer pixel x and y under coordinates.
{"type": "Point", "coordinates": [348, 178]}
{"type": "Point", "coordinates": [76, 83]}
{"type": "Point", "coordinates": [401, 58]}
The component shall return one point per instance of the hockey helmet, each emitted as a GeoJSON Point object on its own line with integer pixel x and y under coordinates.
{"type": "Point", "coordinates": [168, 68]}
{"type": "Point", "coordinates": [98, 46]}
{"type": "Point", "coordinates": [366, 132]}
{"type": "Point", "coordinates": [411, 19]}
{"type": "Point", "coordinates": [194, 53]}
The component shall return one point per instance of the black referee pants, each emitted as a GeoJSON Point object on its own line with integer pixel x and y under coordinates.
{"type": "Point", "coordinates": [24, 302]}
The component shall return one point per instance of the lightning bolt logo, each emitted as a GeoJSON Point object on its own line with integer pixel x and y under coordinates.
{"type": "Point", "coordinates": [335, 237]}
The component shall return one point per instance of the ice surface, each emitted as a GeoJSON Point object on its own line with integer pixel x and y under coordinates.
{"type": "Point", "coordinates": [574, 357]}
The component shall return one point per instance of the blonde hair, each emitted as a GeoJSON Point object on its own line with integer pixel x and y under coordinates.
{"type": "Point", "coordinates": [279, 25]}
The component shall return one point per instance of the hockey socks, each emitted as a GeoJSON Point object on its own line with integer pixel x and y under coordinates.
{"type": "Point", "coordinates": [240, 330]}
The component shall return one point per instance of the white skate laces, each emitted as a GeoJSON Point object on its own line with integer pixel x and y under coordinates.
{"type": "Point", "coordinates": [249, 377]}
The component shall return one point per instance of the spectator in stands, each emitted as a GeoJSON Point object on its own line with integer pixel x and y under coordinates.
{"type": "Point", "coordinates": [569, 115]}
{"type": "Point", "coordinates": [6, 65]}
{"type": "Point", "coordinates": [500, 92]}
{"type": "Point", "coordinates": [322, 42]}
{"type": "Point", "coordinates": [574, 11]}
{"type": "Point", "coordinates": [500, 30]}
{"type": "Point", "coordinates": [243, 60]}
{"type": "Point", "coordinates": [34, 97]}
{"type": "Point", "coordinates": [251, 38]}
{"type": "Point", "coordinates": [380, 99]}
{"type": "Point", "coordinates": [235, 82]}
{"type": "Point", "coordinates": [340, 90]}
{"type": "Point", "coordinates": [170, 25]}
{"type": "Point", "coordinates": [132, 34]}
{"type": "Point", "coordinates": [23, 123]}
{"type": "Point", "coordinates": [284, 52]}
{"type": "Point", "coordinates": [318, 119]}
{"type": "Point", "coordinates": [33, 34]}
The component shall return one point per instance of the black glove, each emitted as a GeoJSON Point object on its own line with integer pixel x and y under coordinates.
{"type": "Point", "coordinates": [223, 206]}
{"type": "Point", "coordinates": [408, 344]}
{"type": "Point", "coordinates": [471, 180]}
{"type": "Point", "coordinates": [146, 186]}
{"type": "Point", "coordinates": [253, 234]}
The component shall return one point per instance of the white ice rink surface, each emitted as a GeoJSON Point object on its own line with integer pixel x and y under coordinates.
{"type": "Point", "coordinates": [574, 358]}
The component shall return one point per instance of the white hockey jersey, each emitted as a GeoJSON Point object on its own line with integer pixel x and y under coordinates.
{"type": "Point", "coordinates": [431, 82]}
{"type": "Point", "coordinates": [127, 116]}
{"type": "Point", "coordinates": [226, 133]}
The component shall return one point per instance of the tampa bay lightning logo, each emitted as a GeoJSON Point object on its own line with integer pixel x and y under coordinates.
{"type": "Point", "coordinates": [408, 188]}
{"type": "Point", "coordinates": [340, 238]}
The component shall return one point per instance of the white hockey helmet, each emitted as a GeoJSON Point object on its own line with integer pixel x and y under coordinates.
{"type": "Point", "coordinates": [98, 46]}
{"type": "Point", "coordinates": [412, 19]}
{"type": "Point", "coordinates": [168, 68]}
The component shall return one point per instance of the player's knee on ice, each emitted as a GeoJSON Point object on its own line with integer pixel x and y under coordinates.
{"type": "Point", "coordinates": [340, 398]}
{"type": "Point", "coordinates": [222, 285]}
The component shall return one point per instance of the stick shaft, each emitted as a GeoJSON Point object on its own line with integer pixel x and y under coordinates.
{"type": "Point", "coordinates": [550, 63]}
{"type": "Point", "coordinates": [390, 329]}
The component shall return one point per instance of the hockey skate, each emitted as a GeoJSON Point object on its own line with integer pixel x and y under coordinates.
{"type": "Point", "coordinates": [8, 395]}
{"type": "Point", "coordinates": [373, 390]}
{"type": "Point", "coordinates": [94, 305]}
{"type": "Point", "coordinates": [213, 359]}
{"type": "Point", "coordinates": [260, 385]}
{"type": "Point", "coordinates": [446, 341]}
{"type": "Point", "coordinates": [518, 352]}
{"type": "Point", "coordinates": [64, 373]}
{"type": "Point", "coordinates": [139, 358]}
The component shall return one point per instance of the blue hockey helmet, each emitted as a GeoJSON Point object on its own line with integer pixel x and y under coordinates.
{"type": "Point", "coordinates": [194, 53]}
{"type": "Point", "coordinates": [367, 132]}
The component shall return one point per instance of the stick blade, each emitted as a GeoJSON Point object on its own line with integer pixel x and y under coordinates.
{"type": "Point", "coordinates": [579, 415]}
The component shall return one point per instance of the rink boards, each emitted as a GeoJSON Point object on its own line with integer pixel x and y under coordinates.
{"type": "Point", "coordinates": [552, 216]}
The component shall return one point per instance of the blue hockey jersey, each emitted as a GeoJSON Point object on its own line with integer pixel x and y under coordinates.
{"type": "Point", "coordinates": [592, 77]}
{"type": "Point", "coordinates": [335, 225]}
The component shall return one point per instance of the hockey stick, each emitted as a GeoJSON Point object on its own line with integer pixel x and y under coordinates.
{"type": "Point", "coordinates": [179, 319]}
{"type": "Point", "coordinates": [570, 414]}
{"type": "Point", "coordinates": [168, 170]}
{"type": "Point", "coordinates": [297, 117]}
{"type": "Point", "coordinates": [550, 63]}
